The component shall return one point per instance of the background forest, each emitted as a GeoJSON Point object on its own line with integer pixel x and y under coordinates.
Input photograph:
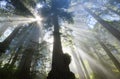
{"type": "Point", "coordinates": [34, 34]}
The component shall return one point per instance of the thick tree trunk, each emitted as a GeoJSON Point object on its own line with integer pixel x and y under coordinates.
{"type": "Point", "coordinates": [59, 69]}
{"type": "Point", "coordinates": [4, 45]}
{"type": "Point", "coordinates": [26, 60]}
{"type": "Point", "coordinates": [27, 57]}
{"type": "Point", "coordinates": [3, 28]}
{"type": "Point", "coordinates": [57, 59]}
{"type": "Point", "coordinates": [25, 64]}
{"type": "Point", "coordinates": [15, 57]}
{"type": "Point", "coordinates": [21, 36]}
{"type": "Point", "coordinates": [112, 30]}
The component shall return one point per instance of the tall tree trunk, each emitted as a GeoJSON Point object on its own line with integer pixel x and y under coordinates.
{"type": "Point", "coordinates": [80, 58]}
{"type": "Point", "coordinates": [57, 59]}
{"type": "Point", "coordinates": [21, 38]}
{"type": "Point", "coordinates": [3, 28]}
{"type": "Point", "coordinates": [5, 44]}
{"type": "Point", "coordinates": [115, 61]}
{"type": "Point", "coordinates": [59, 69]}
{"type": "Point", "coordinates": [15, 57]}
{"type": "Point", "coordinates": [79, 67]}
{"type": "Point", "coordinates": [26, 60]}
{"type": "Point", "coordinates": [86, 72]}
{"type": "Point", "coordinates": [113, 11]}
{"type": "Point", "coordinates": [98, 73]}
{"type": "Point", "coordinates": [25, 64]}
{"type": "Point", "coordinates": [17, 47]}
{"type": "Point", "coordinates": [111, 29]}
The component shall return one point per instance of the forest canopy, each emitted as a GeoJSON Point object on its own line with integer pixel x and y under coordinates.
{"type": "Point", "coordinates": [59, 39]}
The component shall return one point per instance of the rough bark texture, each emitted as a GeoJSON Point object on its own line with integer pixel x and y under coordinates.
{"type": "Point", "coordinates": [57, 48]}
{"type": "Point", "coordinates": [4, 45]}
{"type": "Point", "coordinates": [59, 69]}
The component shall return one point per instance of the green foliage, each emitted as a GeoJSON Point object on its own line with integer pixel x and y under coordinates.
{"type": "Point", "coordinates": [20, 8]}
{"type": "Point", "coordinates": [80, 34]}
{"type": "Point", "coordinates": [56, 8]}
{"type": "Point", "coordinates": [6, 72]}
{"type": "Point", "coordinates": [66, 16]}
{"type": "Point", "coordinates": [113, 1]}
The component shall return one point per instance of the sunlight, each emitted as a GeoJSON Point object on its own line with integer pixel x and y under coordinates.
{"type": "Point", "coordinates": [3, 4]}
{"type": "Point", "coordinates": [35, 14]}
{"type": "Point", "coordinates": [21, 19]}
{"type": "Point", "coordinates": [17, 19]}
{"type": "Point", "coordinates": [38, 18]}
{"type": "Point", "coordinates": [89, 61]}
{"type": "Point", "coordinates": [72, 65]}
{"type": "Point", "coordinates": [6, 34]}
{"type": "Point", "coordinates": [39, 5]}
{"type": "Point", "coordinates": [26, 42]}
{"type": "Point", "coordinates": [94, 62]}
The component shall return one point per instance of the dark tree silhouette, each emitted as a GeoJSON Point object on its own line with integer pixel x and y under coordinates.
{"type": "Point", "coordinates": [5, 44]}
{"type": "Point", "coordinates": [66, 74]}
{"type": "Point", "coordinates": [21, 8]}
{"type": "Point", "coordinates": [56, 11]}
{"type": "Point", "coordinates": [111, 29]}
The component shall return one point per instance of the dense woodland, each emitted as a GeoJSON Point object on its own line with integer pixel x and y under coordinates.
{"type": "Point", "coordinates": [40, 38]}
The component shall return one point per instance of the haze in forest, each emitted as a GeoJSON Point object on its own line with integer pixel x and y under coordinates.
{"type": "Point", "coordinates": [59, 39]}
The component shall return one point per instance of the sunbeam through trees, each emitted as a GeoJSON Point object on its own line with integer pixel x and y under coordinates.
{"type": "Point", "coordinates": [59, 39]}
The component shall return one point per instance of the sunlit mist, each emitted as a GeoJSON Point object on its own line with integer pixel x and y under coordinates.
{"type": "Point", "coordinates": [28, 40]}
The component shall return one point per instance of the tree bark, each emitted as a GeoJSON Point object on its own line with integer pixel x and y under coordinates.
{"type": "Point", "coordinates": [59, 69]}
{"type": "Point", "coordinates": [115, 61]}
{"type": "Point", "coordinates": [57, 59]}
{"type": "Point", "coordinates": [27, 57]}
{"type": "Point", "coordinates": [25, 64]}
{"type": "Point", "coordinates": [98, 73]}
{"type": "Point", "coordinates": [5, 44]}
{"type": "Point", "coordinates": [15, 57]}
{"type": "Point", "coordinates": [112, 30]}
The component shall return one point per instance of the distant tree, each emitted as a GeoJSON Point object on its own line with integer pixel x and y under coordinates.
{"type": "Point", "coordinates": [111, 29]}
{"type": "Point", "coordinates": [5, 44]}
{"type": "Point", "coordinates": [31, 44]}
{"type": "Point", "coordinates": [115, 61]}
